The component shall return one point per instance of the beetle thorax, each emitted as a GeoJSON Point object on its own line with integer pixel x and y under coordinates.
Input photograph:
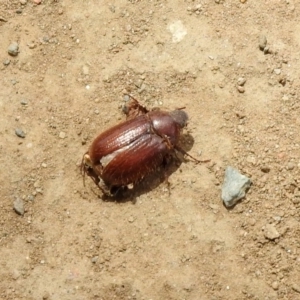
{"type": "Point", "coordinates": [165, 126]}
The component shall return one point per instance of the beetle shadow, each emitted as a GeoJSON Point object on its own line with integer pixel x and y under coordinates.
{"type": "Point", "coordinates": [148, 183]}
{"type": "Point", "coordinates": [171, 164]}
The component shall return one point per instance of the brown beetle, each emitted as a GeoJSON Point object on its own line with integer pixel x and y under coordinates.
{"type": "Point", "coordinates": [124, 154]}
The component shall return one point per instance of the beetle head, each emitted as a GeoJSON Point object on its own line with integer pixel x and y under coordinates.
{"type": "Point", "coordinates": [180, 117]}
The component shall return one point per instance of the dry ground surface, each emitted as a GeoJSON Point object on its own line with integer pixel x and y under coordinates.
{"type": "Point", "coordinates": [66, 85]}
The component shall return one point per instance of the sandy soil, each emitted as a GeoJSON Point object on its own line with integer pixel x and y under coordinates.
{"type": "Point", "coordinates": [66, 85]}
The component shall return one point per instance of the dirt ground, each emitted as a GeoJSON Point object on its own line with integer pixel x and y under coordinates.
{"type": "Point", "coordinates": [66, 85]}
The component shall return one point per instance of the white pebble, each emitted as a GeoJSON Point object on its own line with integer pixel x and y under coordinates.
{"type": "Point", "coordinates": [62, 135]}
{"type": "Point", "coordinates": [277, 71]}
{"type": "Point", "coordinates": [241, 81]}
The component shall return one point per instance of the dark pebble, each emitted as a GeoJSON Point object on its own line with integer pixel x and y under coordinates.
{"type": "Point", "coordinates": [265, 169]}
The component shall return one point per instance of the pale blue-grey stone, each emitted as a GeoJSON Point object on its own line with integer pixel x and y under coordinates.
{"type": "Point", "coordinates": [234, 187]}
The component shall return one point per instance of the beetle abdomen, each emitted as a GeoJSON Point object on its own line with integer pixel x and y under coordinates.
{"type": "Point", "coordinates": [130, 166]}
{"type": "Point", "coordinates": [118, 136]}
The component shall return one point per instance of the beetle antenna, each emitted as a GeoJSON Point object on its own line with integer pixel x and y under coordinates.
{"type": "Point", "coordinates": [130, 96]}
{"type": "Point", "coordinates": [178, 148]}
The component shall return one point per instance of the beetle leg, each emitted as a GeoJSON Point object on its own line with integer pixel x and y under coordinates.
{"type": "Point", "coordinates": [118, 191]}
{"type": "Point", "coordinates": [133, 108]}
{"type": "Point", "coordinates": [91, 173]}
{"type": "Point", "coordinates": [166, 162]}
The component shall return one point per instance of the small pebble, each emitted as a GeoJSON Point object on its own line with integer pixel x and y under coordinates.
{"type": "Point", "coordinates": [296, 287]}
{"type": "Point", "coordinates": [282, 80]}
{"type": "Point", "coordinates": [271, 232]}
{"type": "Point", "coordinates": [6, 62]}
{"type": "Point", "coordinates": [23, 2]}
{"type": "Point", "coordinates": [241, 81]}
{"type": "Point", "coordinates": [296, 200]}
{"type": "Point", "coordinates": [262, 42]}
{"type": "Point", "coordinates": [277, 71]}
{"type": "Point", "coordinates": [44, 165]}
{"type": "Point", "coordinates": [267, 50]}
{"type": "Point", "coordinates": [13, 49]}
{"type": "Point", "coordinates": [30, 198]}
{"type": "Point", "coordinates": [252, 222]}
{"type": "Point", "coordinates": [275, 285]}
{"type": "Point", "coordinates": [85, 70]}
{"type": "Point", "coordinates": [94, 259]}
{"type": "Point", "coordinates": [138, 83]}
{"type": "Point", "coordinates": [16, 274]}
{"type": "Point", "coordinates": [31, 45]}
{"type": "Point", "coordinates": [131, 219]}
{"type": "Point", "coordinates": [126, 98]}
{"type": "Point", "coordinates": [241, 89]}
{"type": "Point", "coordinates": [62, 135]}
{"type": "Point", "coordinates": [37, 1]}
{"type": "Point", "coordinates": [37, 184]}
{"type": "Point", "coordinates": [24, 102]}
{"type": "Point", "coordinates": [265, 169]}
{"type": "Point", "coordinates": [19, 206]}
{"type": "Point", "coordinates": [20, 133]}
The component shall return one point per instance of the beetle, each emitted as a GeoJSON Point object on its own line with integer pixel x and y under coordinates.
{"type": "Point", "coordinates": [124, 154]}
